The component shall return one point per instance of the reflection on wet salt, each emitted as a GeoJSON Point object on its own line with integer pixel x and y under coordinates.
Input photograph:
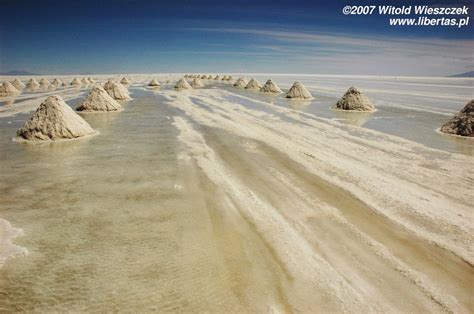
{"type": "Point", "coordinates": [353, 118]}
{"type": "Point", "coordinates": [298, 104]}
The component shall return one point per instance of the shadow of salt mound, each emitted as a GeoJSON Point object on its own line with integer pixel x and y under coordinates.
{"type": "Point", "coordinates": [298, 104]}
{"type": "Point", "coordinates": [353, 118]}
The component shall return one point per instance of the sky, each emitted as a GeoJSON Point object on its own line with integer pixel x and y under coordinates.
{"type": "Point", "coordinates": [300, 37]}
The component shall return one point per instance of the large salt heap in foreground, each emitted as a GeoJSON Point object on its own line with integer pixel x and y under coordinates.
{"type": "Point", "coordinates": [154, 83]}
{"type": "Point", "coordinates": [98, 100]}
{"type": "Point", "coordinates": [54, 120]}
{"type": "Point", "coordinates": [182, 84]}
{"type": "Point", "coordinates": [7, 89]}
{"type": "Point", "coordinates": [298, 91]}
{"type": "Point", "coordinates": [271, 88]}
{"type": "Point", "coordinates": [18, 84]}
{"type": "Point", "coordinates": [462, 123]}
{"type": "Point", "coordinates": [253, 84]}
{"type": "Point", "coordinates": [197, 83]}
{"type": "Point", "coordinates": [354, 100]}
{"type": "Point", "coordinates": [240, 83]}
{"type": "Point", "coordinates": [116, 90]}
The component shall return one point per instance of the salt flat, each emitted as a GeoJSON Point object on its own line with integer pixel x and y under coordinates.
{"type": "Point", "coordinates": [224, 200]}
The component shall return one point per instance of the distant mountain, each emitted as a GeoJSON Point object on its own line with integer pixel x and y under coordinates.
{"type": "Point", "coordinates": [466, 74]}
{"type": "Point", "coordinates": [18, 73]}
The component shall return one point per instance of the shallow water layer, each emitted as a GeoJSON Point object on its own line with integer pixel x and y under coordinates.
{"type": "Point", "coordinates": [207, 201]}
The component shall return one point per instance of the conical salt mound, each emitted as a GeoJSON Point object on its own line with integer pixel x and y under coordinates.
{"type": "Point", "coordinates": [154, 83]}
{"type": "Point", "coordinates": [91, 80]}
{"type": "Point", "coordinates": [98, 100]}
{"type": "Point", "coordinates": [209, 77]}
{"type": "Point", "coordinates": [18, 84]}
{"type": "Point", "coordinates": [7, 89]}
{"type": "Point", "coordinates": [197, 83]}
{"type": "Point", "coordinates": [125, 81]}
{"type": "Point", "coordinates": [116, 90]}
{"type": "Point", "coordinates": [76, 82]}
{"type": "Point", "coordinates": [54, 120]}
{"type": "Point", "coordinates": [224, 78]}
{"type": "Point", "coordinates": [217, 77]}
{"type": "Point", "coordinates": [462, 123]}
{"type": "Point", "coordinates": [270, 87]}
{"type": "Point", "coordinates": [203, 77]}
{"type": "Point", "coordinates": [230, 78]}
{"type": "Point", "coordinates": [182, 84]}
{"type": "Point", "coordinates": [298, 91]}
{"type": "Point", "coordinates": [44, 82]}
{"type": "Point", "coordinates": [241, 83]}
{"type": "Point", "coordinates": [253, 85]}
{"type": "Point", "coordinates": [56, 82]}
{"type": "Point", "coordinates": [354, 100]}
{"type": "Point", "coordinates": [32, 83]}
{"type": "Point", "coordinates": [85, 81]}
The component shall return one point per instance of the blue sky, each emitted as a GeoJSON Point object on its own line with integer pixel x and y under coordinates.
{"type": "Point", "coordinates": [125, 36]}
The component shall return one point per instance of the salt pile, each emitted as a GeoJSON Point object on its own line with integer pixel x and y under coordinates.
{"type": "Point", "coordinates": [240, 83]}
{"type": "Point", "coordinates": [217, 77]}
{"type": "Point", "coordinates": [182, 84]}
{"type": "Point", "coordinates": [203, 77]}
{"type": "Point", "coordinates": [32, 83]}
{"type": "Point", "coordinates": [354, 100]}
{"type": "Point", "coordinates": [224, 78]}
{"type": "Point", "coordinates": [76, 82]}
{"type": "Point", "coordinates": [270, 87]}
{"type": "Point", "coordinates": [253, 85]}
{"type": "Point", "coordinates": [7, 89]}
{"type": "Point", "coordinates": [56, 82]}
{"type": "Point", "coordinates": [230, 78]}
{"type": "Point", "coordinates": [116, 90]}
{"type": "Point", "coordinates": [209, 77]}
{"type": "Point", "coordinates": [197, 83]}
{"type": "Point", "coordinates": [462, 123]}
{"type": "Point", "coordinates": [98, 100]}
{"type": "Point", "coordinates": [125, 81]}
{"type": "Point", "coordinates": [91, 80]}
{"type": "Point", "coordinates": [44, 82]}
{"type": "Point", "coordinates": [154, 83]}
{"type": "Point", "coordinates": [54, 120]}
{"type": "Point", "coordinates": [298, 91]}
{"type": "Point", "coordinates": [18, 84]}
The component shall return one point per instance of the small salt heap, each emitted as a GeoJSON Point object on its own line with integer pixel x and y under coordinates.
{"type": "Point", "coordinates": [354, 100]}
{"type": "Point", "coordinates": [182, 84]}
{"type": "Point", "coordinates": [98, 100]}
{"type": "Point", "coordinates": [217, 78]}
{"type": "Point", "coordinates": [44, 82]}
{"type": "Point", "coordinates": [462, 123]}
{"type": "Point", "coordinates": [54, 120]}
{"type": "Point", "coordinates": [241, 83]}
{"type": "Point", "coordinates": [18, 84]}
{"type": "Point", "coordinates": [125, 81]}
{"type": "Point", "coordinates": [116, 90]}
{"type": "Point", "coordinates": [154, 83]}
{"type": "Point", "coordinates": [253, 85]}
{"type": "Point", "coordinates": [76, 82]}
{"type": "Point", "coordinates": [7, 89]}
{"type": "Point", "coordinates": [271, 88]}
{"type": "Point", "coordinates": [298, 91]}
{"type": "Point", "coordinates": [197, 83]}
{"type": "Point", "coordinates": [32, 84]}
